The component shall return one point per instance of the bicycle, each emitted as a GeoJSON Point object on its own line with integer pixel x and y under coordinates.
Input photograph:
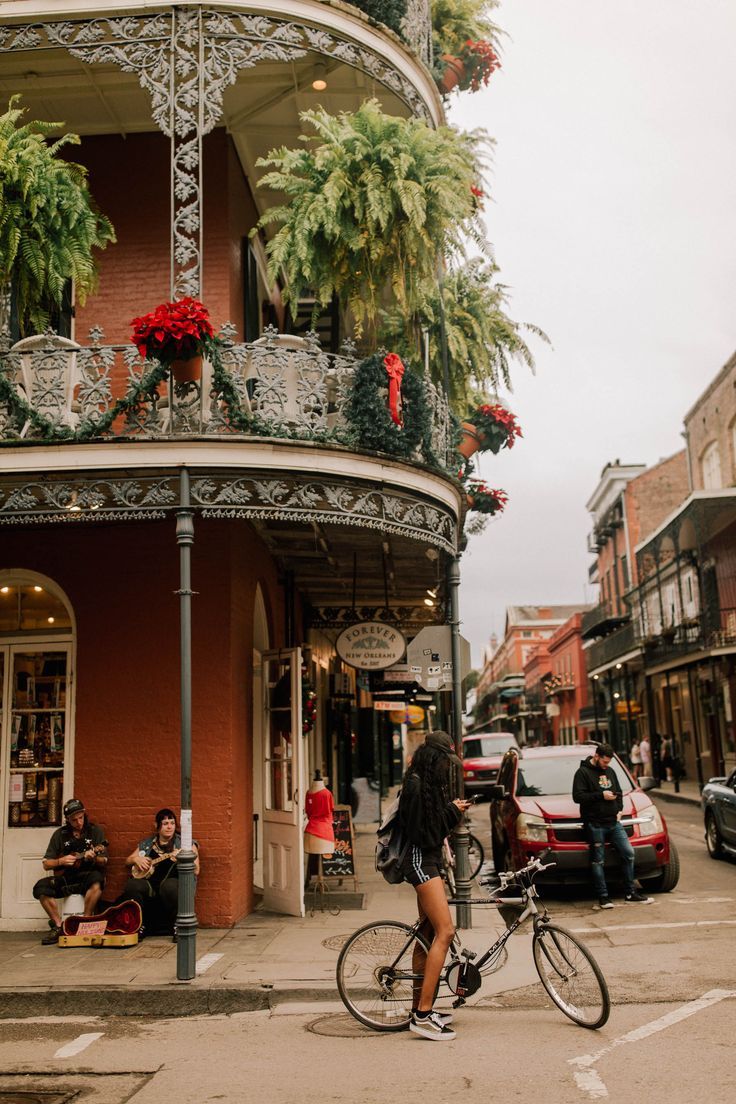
{"type": "Point", "coordinates": [379, 977]}
{"type": "Point", "coordinates": [476, 857]}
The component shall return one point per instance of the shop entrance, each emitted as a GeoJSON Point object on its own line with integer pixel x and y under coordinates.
{"type": "Point", "coordinates": [36, 739]}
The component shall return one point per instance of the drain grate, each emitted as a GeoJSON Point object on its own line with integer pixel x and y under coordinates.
{"type": "Point", "coordinates": [341, 1026]}
{"type": "Point", "coordinates": [336, 942]}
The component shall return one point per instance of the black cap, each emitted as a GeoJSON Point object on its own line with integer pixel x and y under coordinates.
{"type": "Point", "coordinates": [73, 805]}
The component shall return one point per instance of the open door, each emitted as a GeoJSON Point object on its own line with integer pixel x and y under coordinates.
{"type": "Point", "coordinates": [284, 785]}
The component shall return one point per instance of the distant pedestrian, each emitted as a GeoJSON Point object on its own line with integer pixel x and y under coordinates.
{"type": "Point", "coordinates": [597, 791]}
{"type": "Point", "coordinates": [635, 757]}
{"type": "Point", "coordinates": [645, 750]}
{"type": "Point", "coordinates": [428, 814]}
{"type": "Point", "coordinates": [666, 760]}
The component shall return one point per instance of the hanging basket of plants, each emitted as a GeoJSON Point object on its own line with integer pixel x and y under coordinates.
{"type": "Point", "coordinates": [178, 335]}
{"type": "Point", "coordinates": [484, 499]}
{"type": "Point", "coordinates": [489, 428]}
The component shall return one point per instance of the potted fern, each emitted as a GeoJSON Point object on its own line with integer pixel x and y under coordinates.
{"type": "Point", "coordinates": [373, 206]}
{"type": "Point", "coordinates": [49, 224]}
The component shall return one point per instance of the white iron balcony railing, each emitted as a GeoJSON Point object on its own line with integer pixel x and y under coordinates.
{"type": "Point", "coordinates": [281, 386]}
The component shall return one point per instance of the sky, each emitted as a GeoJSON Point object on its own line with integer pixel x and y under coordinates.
{"type": "Point", "coordinates": [613, 218]}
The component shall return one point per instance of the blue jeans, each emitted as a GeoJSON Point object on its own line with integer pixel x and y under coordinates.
{"type": "Point", "coordinates": [615, 835]}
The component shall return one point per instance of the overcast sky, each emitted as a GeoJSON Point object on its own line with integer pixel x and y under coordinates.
{"type": "Point", "coordinates": [613, 216]}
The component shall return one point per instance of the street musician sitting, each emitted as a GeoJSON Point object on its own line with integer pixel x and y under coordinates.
{"type": "Point", "coordinates": [75, 862]}
{"type": "Point", "coordinates": [154, 876]}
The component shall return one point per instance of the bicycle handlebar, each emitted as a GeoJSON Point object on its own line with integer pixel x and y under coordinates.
{"type": "Point", "coordinates": [534, 866]}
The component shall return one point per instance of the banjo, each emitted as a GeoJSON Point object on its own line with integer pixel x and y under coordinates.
{"type": "Point", "coordinates": [137, 872]}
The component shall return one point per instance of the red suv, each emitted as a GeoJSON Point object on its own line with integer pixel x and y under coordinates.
{"type": "Point", "coordinates": [532, 810]}
{"type": "Point", "coordinates": [482, 755]}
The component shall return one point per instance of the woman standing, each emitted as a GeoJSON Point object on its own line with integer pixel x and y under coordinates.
{"type": "Point", "coordinates": [635, 757]}
{"type": "Point", "coordinates": [428, 814]}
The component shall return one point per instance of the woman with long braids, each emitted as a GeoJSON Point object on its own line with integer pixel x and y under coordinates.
{"type": "Point", "coordinates": [428, 814]}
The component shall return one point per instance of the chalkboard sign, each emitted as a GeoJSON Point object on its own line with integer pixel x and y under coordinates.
{"type": "Point", "coordinates": [341, 864]}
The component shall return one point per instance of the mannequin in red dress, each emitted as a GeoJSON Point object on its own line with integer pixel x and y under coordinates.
{"type": "Point", "coordinates": [319, 834]}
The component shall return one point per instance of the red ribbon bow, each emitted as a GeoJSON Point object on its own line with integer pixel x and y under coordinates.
{"type": "Point", "coordinates": [395, 369]}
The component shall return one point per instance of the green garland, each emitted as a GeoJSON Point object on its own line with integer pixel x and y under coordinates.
{"type": "Point", "coordinates": [370, 419]}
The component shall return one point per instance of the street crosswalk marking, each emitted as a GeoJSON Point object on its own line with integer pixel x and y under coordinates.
{"type": "Point", "coordinates": [79, 1044]}
{"type": "Point", "coordinates": [587, 1078]}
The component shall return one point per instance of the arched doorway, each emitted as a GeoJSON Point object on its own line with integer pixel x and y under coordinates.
{"type": "Point", "coordinates": [37, 634]}
{"type": "Point", "coordinates": [260, 645]}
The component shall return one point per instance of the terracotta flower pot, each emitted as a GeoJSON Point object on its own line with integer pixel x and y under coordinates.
{"type": "Point", "coordinates": [471, 440]}
{"type": "Point", "coordinates": [453, 74]}
{"type": "Point", "coordinates": [187, 371]}
{"type": "Point", "coordinates": [471, 501]}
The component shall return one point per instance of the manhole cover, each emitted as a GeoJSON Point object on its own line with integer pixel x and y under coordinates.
{"type": "Point", "coordinates": [341, 1026]}
{"type": "Point", "coordinates": [36, 1097]}
{"type": "Point", "coordinates": [336, 942]}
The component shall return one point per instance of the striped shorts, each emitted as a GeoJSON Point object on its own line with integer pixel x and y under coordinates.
{"type": "Point", "coordinates": [421, 864]}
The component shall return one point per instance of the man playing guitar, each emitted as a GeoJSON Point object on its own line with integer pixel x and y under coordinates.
{"type": "Point", "coordinates": [154, 877]}
{"type": "Point", "coordinates": [76, 858]}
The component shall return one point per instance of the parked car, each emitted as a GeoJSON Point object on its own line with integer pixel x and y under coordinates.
{"type": "Point", "coordinates": [532, 810]}
{"type": "Point", "coordinates": [719, 810]}
{"type": "Point", "coordinates": [482, 755]}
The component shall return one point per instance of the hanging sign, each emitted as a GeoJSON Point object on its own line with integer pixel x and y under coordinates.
{"type": "Point", "coordinates": [410, 714]}
{"type": "Point", "coordinates": [370, 645]}
{"type": "Point", "coordinates": [429, 657]}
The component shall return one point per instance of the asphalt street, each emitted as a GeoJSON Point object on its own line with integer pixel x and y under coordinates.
{"type": "Point", "coordinates": [670, 970]}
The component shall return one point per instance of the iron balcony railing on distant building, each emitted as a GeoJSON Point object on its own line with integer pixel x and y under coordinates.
{"type": "Point", "coordinates": [281, 386]}
{"type": "Point", "coordinates": [601, 620]}
{"type": "Point", "coordinates": [611, 647]}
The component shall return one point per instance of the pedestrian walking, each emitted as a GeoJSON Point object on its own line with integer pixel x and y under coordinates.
{"type": "Point", "coordinates": [666, 761]}
{"type": "Point", "coordinates": [428, 814]}
{"type": "Point", "coordinates": [645, 750]}
{"type": "Point", "coordinates": [635, 757]}
{"type": "Point", "coordinates": [596, 790]}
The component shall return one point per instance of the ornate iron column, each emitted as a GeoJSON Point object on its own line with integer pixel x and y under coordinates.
{"type": "Point", "coordinates": [186, 920]}
{"type": "Point", "coordinates": [461, 835]}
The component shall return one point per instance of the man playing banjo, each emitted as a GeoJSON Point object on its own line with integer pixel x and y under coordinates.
{"type": "Point", "coordinates": [154, 876]}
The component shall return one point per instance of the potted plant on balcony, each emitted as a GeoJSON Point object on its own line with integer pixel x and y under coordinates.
{"type": "Point", "coordinates": [374, 204]}
{"type": "Point", "coordinates": [177, 334]}
{"type": "Point", "coordinates": [485, 500]}
{"type": "Point", "coordinates": [490, 426]}
{"type": "Point", "coordinates": [464, 43]}
{"type": "Point", "coordinates": [49, 224]}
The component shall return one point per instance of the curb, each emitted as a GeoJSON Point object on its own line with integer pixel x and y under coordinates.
{"type": "Point", "coordinates": [675, 798]}
{"type": "Point", "coordinates": [159, 1001]}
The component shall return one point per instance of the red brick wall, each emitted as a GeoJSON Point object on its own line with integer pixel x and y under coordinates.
{"type": "Point", "coordinates": [713, 418]}
{"type": "Point", "coordinates": [652, 496]}
{"type": "Point", "coordinates": [120, 581]}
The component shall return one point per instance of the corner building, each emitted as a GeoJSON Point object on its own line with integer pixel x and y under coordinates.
{"type": "Point", "coordinates": [296, 532]}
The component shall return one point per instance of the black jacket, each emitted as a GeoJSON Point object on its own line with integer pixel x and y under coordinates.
{"type": "Point", "coordinates": [589, 784]}
{"type": "Point", "coordinates": [413, 820]}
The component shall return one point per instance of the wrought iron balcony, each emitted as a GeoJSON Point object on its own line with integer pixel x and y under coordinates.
{"type": "Point", "coordinates": [611, 647]}
{"type": "Point", "coordinates": [601, 620]}
{"type": "Point", "coordinates": [280, 386]}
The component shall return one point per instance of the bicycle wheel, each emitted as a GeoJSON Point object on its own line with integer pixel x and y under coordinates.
{"type": "Point", "coordinates": [375, 975]}
{"type": "Point", "coordinates": [476, 855]}
{"type": "Point", "coordinates": [571, 976]}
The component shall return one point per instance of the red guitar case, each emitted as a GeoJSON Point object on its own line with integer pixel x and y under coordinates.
{"type": "Point", "coordinates": [117, 926]}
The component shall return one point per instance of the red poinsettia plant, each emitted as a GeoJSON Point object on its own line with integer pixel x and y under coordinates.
{"type": "Point", "coordinates": [484, 499]}
{"type": "Point", "coordinates": [178, 330]}
{"type": "Point", "coordinates": [480, 61]}
{"type": "Point", "coordinates": [495, 426]}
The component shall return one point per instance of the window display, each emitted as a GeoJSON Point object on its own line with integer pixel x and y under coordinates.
{"type": "Point", "coordinates": [38, 691]}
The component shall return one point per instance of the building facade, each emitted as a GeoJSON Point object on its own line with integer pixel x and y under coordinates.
{"type": "Point", "coordinates": [295, 530]}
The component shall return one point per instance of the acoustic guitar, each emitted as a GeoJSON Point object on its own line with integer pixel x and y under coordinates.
{"type": "Point", "coordinates": [137, 872]}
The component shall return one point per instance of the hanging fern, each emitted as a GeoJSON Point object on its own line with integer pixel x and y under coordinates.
{"type": "Point", "coordinates": [49, 225]}
{"type": "Point", "coordinates": [482, 340]}
{"type": "Point", "coordinates": [375, 205]}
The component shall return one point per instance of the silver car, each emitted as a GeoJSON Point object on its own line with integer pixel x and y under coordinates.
{"type": "Point", "coordinates": [719, 808]}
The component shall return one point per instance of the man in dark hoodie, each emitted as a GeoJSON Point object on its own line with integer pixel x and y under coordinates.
{"type": "Point", "coordinates": [597, 791]}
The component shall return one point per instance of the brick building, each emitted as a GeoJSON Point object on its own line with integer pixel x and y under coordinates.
{"type": "Point", "coordinates": [298, 532]}
{"type": "Point", "coordinates": [710, 431]}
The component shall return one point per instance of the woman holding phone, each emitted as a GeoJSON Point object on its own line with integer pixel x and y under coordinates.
{"type": "Point", "coordinates": [428, 814]}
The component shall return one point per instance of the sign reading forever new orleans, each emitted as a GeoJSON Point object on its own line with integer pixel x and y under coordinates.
{"type": "Point", "coordinates": [370, 645]}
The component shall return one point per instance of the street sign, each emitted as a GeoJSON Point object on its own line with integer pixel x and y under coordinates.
{"type": "Point", "coordinates": [411, 714]}
{"type": "Point", "coordinates": [370, 645]}
{"type": "Point", "coordinates": [429, 657]}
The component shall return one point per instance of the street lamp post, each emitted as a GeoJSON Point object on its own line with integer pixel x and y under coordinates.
{"type": "Point", "coordinates": [461, 835]}
{"type": "Point", "coordinates": [186, 920]}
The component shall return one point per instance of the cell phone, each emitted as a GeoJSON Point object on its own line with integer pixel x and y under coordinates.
{"type": "Point", "coordinates": [474, 799]}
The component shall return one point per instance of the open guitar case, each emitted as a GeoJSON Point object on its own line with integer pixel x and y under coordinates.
{"type": "Point", "coordinates": [117, 926]}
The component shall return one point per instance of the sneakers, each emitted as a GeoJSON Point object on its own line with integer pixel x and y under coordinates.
{"type": "Point", "coordinates": [637, 898]}
{"type": "Point", "coordinates": [446, 1017]}
{"type": "Point", "coordinates": [605, 903]}
{"type": "Point", "coordinates": [431, 1027]}
{"type": "Point", "coordinates": [51, 937]}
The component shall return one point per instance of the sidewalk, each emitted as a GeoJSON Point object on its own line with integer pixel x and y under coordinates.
{"type": "Point", "coordinates": [689, 792]}
{"type": "Point", "coordinates": [265, 960]}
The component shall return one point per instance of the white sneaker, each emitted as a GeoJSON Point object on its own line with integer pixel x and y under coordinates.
{"type": "Point", "coordinates": [446, 1017]}
{"type": "Point", "coordinates": [431, 1027]}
